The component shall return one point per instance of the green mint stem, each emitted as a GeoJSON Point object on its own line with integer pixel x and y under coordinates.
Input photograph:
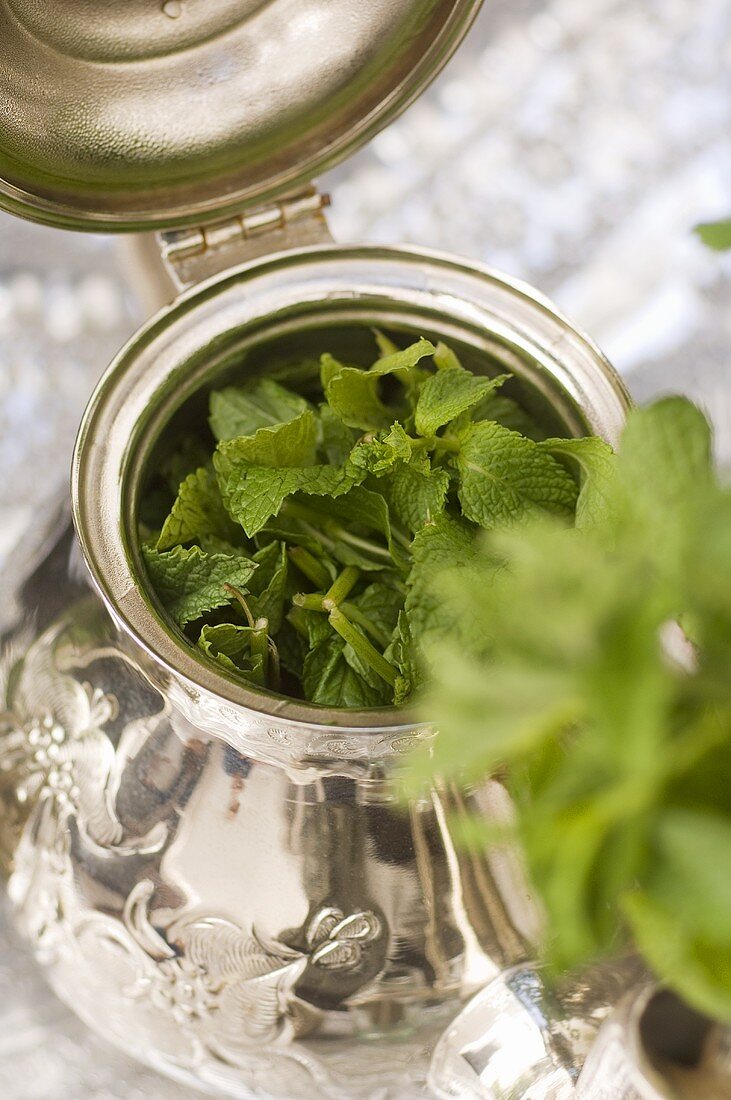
{"type": "Point", "coordinates": [239, 596]}
{"type": "Point", "coordinates": [297, 619]}
{"type": "Point", "coordinates": [274, 665]}
{"type": "Point", "coordinates": [367, 653]}
{"type": "Point", "coordinates": [309, 601]}
{"type": "Point", "coordinates": [362, 544]}
{"type": "Point", "coordinates": [308, 564]}
{"type": "Point", "coordinates": [319, 527]}
{"type": "Point", "coordinates": [452, 445]}
{"type": "Point", "coordinates": [422, 444]}
{"type": "Point", "coordinates": [336, 593]}
{"type": "Point", "coordinates": [357, 616]}
{"type": "Point", "coordinates": [260, 645]}
{"type": "Point", "coordinates": [400, 537]}
{"type": "Point", "coordinates": [342, 585]}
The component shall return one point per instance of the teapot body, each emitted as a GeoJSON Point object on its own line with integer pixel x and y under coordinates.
{"type": "Point", "coordinates": [231, 887]}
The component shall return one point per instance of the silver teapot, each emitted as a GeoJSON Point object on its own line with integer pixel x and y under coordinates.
{"type": "Point", "coordinates": [223, 882]}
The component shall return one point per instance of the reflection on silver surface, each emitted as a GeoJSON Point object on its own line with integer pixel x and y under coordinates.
{"type": "Point", "coordinates": [262, 930]}
{"type": "Point", "coordinates": [523, 1039]}
{"type": "Point", "coordinates": [653, 1047]}
{"type": "Point", "coordinates": [511, 1042]}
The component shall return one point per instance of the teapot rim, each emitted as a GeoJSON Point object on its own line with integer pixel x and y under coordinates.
{"type": "Point", "coordinates": [181, 341]}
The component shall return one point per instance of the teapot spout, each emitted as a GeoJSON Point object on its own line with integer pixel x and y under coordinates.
{"type": "Point", "coordinates": [655, 1047]}
{"type": "Point", "coordinates": [522, 1039]}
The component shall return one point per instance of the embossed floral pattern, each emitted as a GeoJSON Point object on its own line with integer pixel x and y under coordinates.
{"type": "Point", "coordinates": [197, 993]}
{"type": "Point", "coordinates": [336, 941]}
{"type": "Point", "coordinates": [210, 967]}
{"type": "Point", "coordinates": [52, 738]}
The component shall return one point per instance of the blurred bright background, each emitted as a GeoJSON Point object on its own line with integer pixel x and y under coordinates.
{"type": "Point", "coordinates": [572, 143]}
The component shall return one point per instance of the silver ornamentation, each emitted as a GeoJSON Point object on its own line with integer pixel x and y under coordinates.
{"type": "Point", "coordinates": [52, 738]}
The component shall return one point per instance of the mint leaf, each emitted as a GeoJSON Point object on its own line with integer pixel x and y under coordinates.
{"type": "Point", "coordinates": [716, 235]}
{"type": "Point", "coordinates": [379, 454]}
{"type": "Point", "coordinates": [230, 647]}
{"type": "Point", "coordinates": [597, 462]}
{"type": "Point", "coordinates": [384, 343]}
{"type": "Point", "coordinates": [447, 543]}
{"type": "Point", "coordinates": [506, 411]}
{"type": "Point", "coordinates": [416, 494]}
{"type": "Point", "coordinates": [330, 368]}
{"type": "Point", "coordinates": [380, 604]}
{"type": "Point", "coordinates": [353, 394]}
{"type": "Point", "coordinates": [696, 967]}
{"type": "Point", "coordinates": [329, 680]}
{"type": "Point", "coordinates": [268, 586]}
{"type": "Point", "coordinates": [447, 394]}
{"type": "Point", "coordinates": [415, 491]}
{"type": "Point", "coordinates": [254, 494]}
{"type": "Point", "coordinates": [315, 494]}
{"type": "Point", "coordinates": [212, 544]}
{"type": "Point", "coordinates": [690, 843]}
{"type": "Point", "coordinates": [445, 358]}
{"type": "Point", "coordinates": [550, 655]}
{"type": "Point", "coordinates": [403, 361]}
{"type": "Point", "coordinates": [382, 691]}
{"type": "Point", "coordinates": [293, 443]}
{"type": "Point", "coordinates": [659, 478]}
{"type": "Point", "coordinates": [191, 583]}
{"type": "Point", "coordinates": [486, 716]}
{"type": "Point", "coordinates": [664, 474]}
{"type": "Point", "coordinates": [337, 439]}
{"type": "Point", "coordinates": [504, 477]}
{"type": "Point", "coordinates": [256, 474]}
{"type": "Point", "coordinates": [302, 373]}
{"type": "Point", "coordinates": [403, 653]}
{"type": "Point", "coordinates": [293, 649]}
{"type": "Point", "coordinates": [345, 516]}
{"type": "Point", "coordinates": [198, 511]}
{"type": "Point", "coordinates": [242, 410]}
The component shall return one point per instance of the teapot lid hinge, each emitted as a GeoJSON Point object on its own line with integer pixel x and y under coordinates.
{"type": "Point", "coordinates": [294, 221]}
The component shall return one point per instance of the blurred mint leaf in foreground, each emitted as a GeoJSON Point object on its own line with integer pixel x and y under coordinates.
{"type": "Point", "coordinates": [558, 658]}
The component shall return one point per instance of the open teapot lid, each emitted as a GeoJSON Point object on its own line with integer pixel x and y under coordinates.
{"type": "Point", "coordinates": [167, 113]}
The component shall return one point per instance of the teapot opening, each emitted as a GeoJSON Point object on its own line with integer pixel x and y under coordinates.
{"type": "Point", "coordinates": [673, 1032]}
{"type": "Point", "coordinates": [685, 1054]}
{"type": "Point", "coordinates": [308, 302]}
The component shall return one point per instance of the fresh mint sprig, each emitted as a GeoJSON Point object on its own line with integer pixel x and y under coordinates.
{"type": "Point", "coordinates": [558, 658]}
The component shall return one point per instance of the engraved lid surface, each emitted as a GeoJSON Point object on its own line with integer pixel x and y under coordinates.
{"type": "Point", "coordinates": [165, 113]}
